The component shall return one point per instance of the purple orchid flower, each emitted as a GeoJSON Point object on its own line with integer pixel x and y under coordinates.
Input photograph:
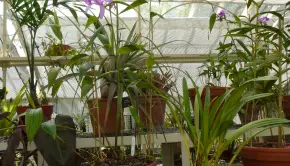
{"type": "Point", "coordinates": [100, 3]}
{"type": "Point", "coordinates": [222, 13]}
{"type": "Point", "coordinates": [88, 2]}
{"type": "Point", "coordinates": [263, 20]}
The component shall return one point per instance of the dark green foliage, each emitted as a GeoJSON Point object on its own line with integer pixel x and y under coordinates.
{"type": "Point", "coordinates": [61, 150]}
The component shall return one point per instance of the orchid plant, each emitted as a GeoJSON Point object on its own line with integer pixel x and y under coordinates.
{"type": "Point", "coordinates": [100, 3]}
{"type": "Point", "coordinates": [258, 48]}
{"type": "Point", "coordinates": [243, 59]}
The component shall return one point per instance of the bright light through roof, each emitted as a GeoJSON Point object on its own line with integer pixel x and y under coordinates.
{"type": "Point", "coordinates": [95, 10]}
{"type": "Point", "coordinates": [11, 31]}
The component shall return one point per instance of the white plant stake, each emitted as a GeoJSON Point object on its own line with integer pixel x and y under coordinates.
{"type": "Point", "coordinates": [133, 145]}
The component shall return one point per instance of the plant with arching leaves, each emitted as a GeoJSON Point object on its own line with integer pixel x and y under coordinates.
{"type": "Point", "coordinates": [209, 133]}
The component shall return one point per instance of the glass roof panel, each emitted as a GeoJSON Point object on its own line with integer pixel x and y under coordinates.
{"type": "Point", "coordinates": [187, 24]}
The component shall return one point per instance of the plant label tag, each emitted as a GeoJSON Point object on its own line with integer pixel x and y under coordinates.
{"type": "Point", "coordinates": [133, 146]}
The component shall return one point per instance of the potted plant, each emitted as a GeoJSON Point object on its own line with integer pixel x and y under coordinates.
{"type": "Point", "coordinates": [56, 47]}
{"type": "Point", "coordinates": [213, 72]}
{"type": "Point", "coordinates": [264, 49]}
{"type": "Point", "coordinates": [122, 60]}
{"type": "Point", "coordinates": [241, 61]}
{"type": "Point", "coordinates": [210, 138]}
{"type": "Point", "coordinates": [30, 15]}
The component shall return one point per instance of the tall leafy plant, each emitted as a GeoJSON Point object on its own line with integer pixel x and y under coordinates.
{"type": "Point", "coordinates": [250, 49]}
{"type": "Point", "coordinates": [30, 15]}
{"type": "Point", "coordinates": [209, 133]}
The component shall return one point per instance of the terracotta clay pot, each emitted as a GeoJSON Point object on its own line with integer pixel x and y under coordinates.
{"type": "Point", "coordinates": [259, 156]}
{"type": "Point", "coordinates": [215, 92]}
{"type": "Point", "coordinates": [158, 106]}
{"type": "Point", "coordinates": [286, 105]}
{"type": "Point", "coordinates": [46, 109]}
{"type": "Point", "coordinates": [109, 126]}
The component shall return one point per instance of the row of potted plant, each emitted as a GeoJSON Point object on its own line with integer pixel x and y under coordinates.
{"type": "Point", "coordinates": [129, 68]}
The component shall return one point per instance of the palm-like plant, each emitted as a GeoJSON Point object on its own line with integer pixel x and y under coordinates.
{"type": "Point", "coordinates": [29, 16]}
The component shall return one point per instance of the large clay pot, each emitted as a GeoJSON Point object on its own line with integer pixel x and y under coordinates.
{"type": "Point", "coordinates": [109, 126]}
{"type": "Point", "coordinates": [286, 106]}
{"type": "Point", "coordinates": [259, 156]}
{"type": "Point", "coordinates": [158, 106]}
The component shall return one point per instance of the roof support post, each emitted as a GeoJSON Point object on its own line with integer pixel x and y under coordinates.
{"type": "Point", "coordinates": [4, 69]}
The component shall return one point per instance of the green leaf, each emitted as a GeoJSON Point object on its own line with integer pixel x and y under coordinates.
{"type": "Point", "coordinates": [52, 75]}
{"type": "Point", "coordinates": [132, 32]}
{"type": "Point", "coordinates": [150, 62]}
{"type": "Point", "coordinates": [129, 48]}
{"type": "Point", "coordinates": [212, 21]}
{"type": "Point", "coordinates": [153, 14]}
{"type": "Point", "coordinates": [55, 17]}
{"type": "Point", "coordinates": [55, 27]}
{"type": "Point", "coordinates": [257, 96]}
{"type": "Point", "coordinates": [87, 85]}
{"type": "Point", "coordinates": [265, 78]}
{"type": "Point", "coordinates": [30, 101]}
{"type": "Point", "coordinates": [96, 34]}
{"type": "Point", "coordinates": [262, 124]}
{"type": "Point", "coordinates": [134, 4]}
{"type": "Point", "coordinates": [72, 10]}
{"type": "Point", "coordinates": [238, 20]}
{"type": "Point", "coordinates": [186, 99]}
{"type": "Point", "coordinates": [75, 59]}
{"type": "Point", "coordinates": [56, 87]}
{"type": "Point", "coordinates": [74, 13]}
{"type": "Point", "coordinates": [50, 128]}
{"type": "Point", "coordinates": [33, 120]}
{"type": "Point", "coordinates": [91, 20]}
{"type": "Point", "coordinates": [85, 67]}
{"type": "Point", "coordinates": [37, 9]}
{"type": "Point", "coordinates": [249, 3]}
{"type": "Point", "coordinates": [242, 55]}
{"type": "Point", "coordinates": [244, 47]}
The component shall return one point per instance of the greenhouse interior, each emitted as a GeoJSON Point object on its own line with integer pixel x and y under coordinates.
{"type": "Point", "coordinates": [144, 83]}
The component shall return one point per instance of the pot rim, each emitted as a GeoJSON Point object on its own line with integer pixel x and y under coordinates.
{"type": "Point", "coordinates": [265, 149]}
